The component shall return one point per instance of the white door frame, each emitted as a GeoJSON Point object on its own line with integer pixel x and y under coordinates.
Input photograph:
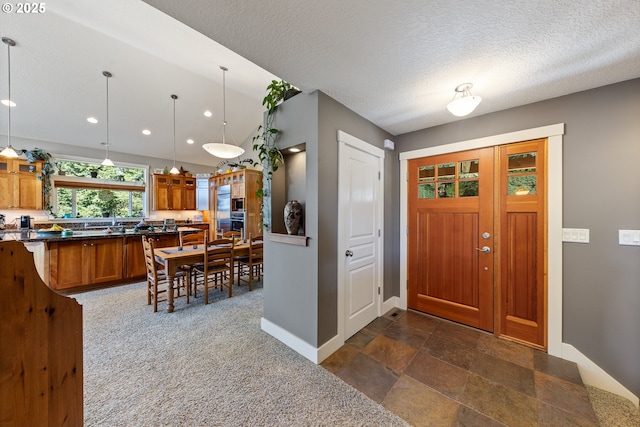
{"type": "Point", "coordinates": [554, 135]}
{"type": "Point", "coordinates": [343, 140]}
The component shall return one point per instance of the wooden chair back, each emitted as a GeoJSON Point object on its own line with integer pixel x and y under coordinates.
{"type": "Point", "coordinates": [231, 234]}
{"type": "Point", "coordinates": [149, 259]}
{"type": "Point", "coordinates": [197, 238]}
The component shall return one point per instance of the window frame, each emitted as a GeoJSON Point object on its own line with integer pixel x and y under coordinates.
{"type": "Point", "coordinates": [79, 182]}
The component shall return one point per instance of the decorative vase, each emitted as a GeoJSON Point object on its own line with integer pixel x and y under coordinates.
{"type": "Point", "coordinates": [292, 216]}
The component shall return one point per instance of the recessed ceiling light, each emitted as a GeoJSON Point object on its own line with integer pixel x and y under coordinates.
{"type": "Point", "coordinates": [92, 120]}
{"type": "Point", "coordinates": [146, 132]}
{"type": "Point", "coordinates": [208, 113]}
{"type": "Point", "coordinates": [294, 150]}
{"type": "Point", "coordinates": [8, 103]}
{"type": "Point", "coordinates": [189, 141]}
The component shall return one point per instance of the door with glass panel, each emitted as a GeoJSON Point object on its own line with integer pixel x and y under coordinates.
{"type": "Point", "coordinates": [450, 261]}
{"type": "Point", "coordinates": [477, 239]}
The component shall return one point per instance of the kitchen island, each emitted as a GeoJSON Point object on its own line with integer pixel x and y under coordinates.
{"type": "Point", "coordinates": [88, 259]}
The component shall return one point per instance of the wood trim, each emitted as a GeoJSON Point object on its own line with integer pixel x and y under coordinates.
{"type": "Point", "coordinates": [101, 184]}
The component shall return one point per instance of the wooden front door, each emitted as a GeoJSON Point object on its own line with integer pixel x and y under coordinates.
{"type": "Point", "coordinates": [477, 237]}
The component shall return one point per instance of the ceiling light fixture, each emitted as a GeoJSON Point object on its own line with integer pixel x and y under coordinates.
{"type": "Point", "coordinates": [208, 114]}
{"type": "Point", "coordinates": [146, 132]}
{"type": "Point", "coordinates": [174, 170]}
{"type": "Point", "coordinates": [8, 151]}
{"type": "Point", "coordinates": [466, 103]}
{"type": "Point", "coordinates": [107, 161]}
{"type": "Point", "coordinates": [223, 150]}
{"type": "Point", "coordinates": [92, 120]}
{"type": "Point", "coordinates": [190, 141]}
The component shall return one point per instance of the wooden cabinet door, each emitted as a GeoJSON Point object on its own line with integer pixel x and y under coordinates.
{"type": "Point", "coordinates": [66, 264]}
{"type": "Point", "coordinates": [134, 258]}
{"type": "Point", "coordinates": [160, 192]}
{"type": "Point", "coordinates": [6, 195]}
{"type": "Point", "coordinates": [165, 240]}
{"type": "Point", "coordinates": [19, 185]}
{"type": "Point", "coordinates": [27, 187]}
{"type": "Point", "coordinates": [105, 260]}
{"type": "Point", "coordinates": [237, 191]}
{"type": "Point", "coordinates": [176, 190]}
{"type": "Point", "coordinates": [189, 193]}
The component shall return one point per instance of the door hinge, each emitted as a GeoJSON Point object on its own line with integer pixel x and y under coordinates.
{"type": "Point", "coordinates": [378, 290]}
{"type": "Point", "coordinates": [378, 232]}
{"type": "Point", "coordinates": [407, 230]}
{"type": "Point", "coordinates": [378, 175]}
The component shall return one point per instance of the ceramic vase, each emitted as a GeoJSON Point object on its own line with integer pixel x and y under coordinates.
{"type": "Point", "coordinates": [292, 216]}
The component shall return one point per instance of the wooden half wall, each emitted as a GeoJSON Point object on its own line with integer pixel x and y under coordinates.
{"type": "Point", "coordinates": [41, 376]}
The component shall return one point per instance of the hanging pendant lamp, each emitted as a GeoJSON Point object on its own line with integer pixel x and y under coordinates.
{"type": "Point", "coordinates": [223, 150]}
{"type": "Point", "coordinates": [8, 151]}
{"type": "Point", "coordinates": [107, 161]}
{"type": "Point", "coordinates": [174, 170]}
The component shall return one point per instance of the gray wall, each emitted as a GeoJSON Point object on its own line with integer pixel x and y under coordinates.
{"type": "Point", "coordinates": [300, 282]}
{"type": "Point", "coordinates": [291, 272]}
{"type": "Point", "coordinates": [333, 117]}
{"type": "Point", "coordinates": [601, 280]}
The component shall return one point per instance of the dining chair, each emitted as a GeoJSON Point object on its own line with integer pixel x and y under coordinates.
{"type": "Point", "coordinates": [217, 266]}
{"type": "Point", "coordinates": [252, 263]}
{"type": "Point", "coordinates": [157, 280]}
{"type": "Point", "coordinates": [196, 238]}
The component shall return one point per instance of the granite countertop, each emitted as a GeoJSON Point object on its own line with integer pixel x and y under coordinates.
{"type": "Point", "coordinates": [34, 236]}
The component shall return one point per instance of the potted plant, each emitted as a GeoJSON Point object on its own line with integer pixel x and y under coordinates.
{"type": "Point", "coordinates": [94, 171]}
{"type": "Point", "coordinates": [269, 155]}
{"type": "Point", "coordinates": [268, 152]}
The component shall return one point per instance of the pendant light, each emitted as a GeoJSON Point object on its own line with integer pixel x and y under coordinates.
{"type": "Point", "coordinates": [8, 151]}
{"type": "Point", "coordinates": [466, 103]}
{"type": "Point", "coordinates": [174, 170]}
{"type": "Point", "coordinates": [107, 161]}
{"type": "Point", "coordinates": [223, 150]}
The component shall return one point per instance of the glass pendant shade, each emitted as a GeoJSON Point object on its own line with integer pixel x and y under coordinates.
{"type": "Point", "coordinates": [222, 149]}
{"type": "Point", "coordinates": [8, 151]}
{"type": "Point", "coordinates": [466, 103]}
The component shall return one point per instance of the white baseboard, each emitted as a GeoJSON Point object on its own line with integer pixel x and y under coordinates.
{"type": "Point", "coordinates": [391, 303]}
{"type": "Point", "coordinates": [316, 355]}
{"type": "Point", "coordinates": [595, 376]}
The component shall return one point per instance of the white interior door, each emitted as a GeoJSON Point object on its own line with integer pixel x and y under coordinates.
{"type": "Point", "coordinates": [360, 219]}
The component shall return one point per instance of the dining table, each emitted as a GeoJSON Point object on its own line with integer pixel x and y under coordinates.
{"type": "Point", "coordinates": [174, 257]}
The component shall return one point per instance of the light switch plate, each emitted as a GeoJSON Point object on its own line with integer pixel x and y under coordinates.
{"type": "Point", "coordinates": [575, 235]}
{"type": "Point", "coordinates": [629, 237]}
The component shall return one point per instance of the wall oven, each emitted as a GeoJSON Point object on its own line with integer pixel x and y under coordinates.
{"type": "Point", "coordinates": [237, 221]}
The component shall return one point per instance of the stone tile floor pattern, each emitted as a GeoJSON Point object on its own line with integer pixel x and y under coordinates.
{"type": "Point", "coordinates": [432, 372]}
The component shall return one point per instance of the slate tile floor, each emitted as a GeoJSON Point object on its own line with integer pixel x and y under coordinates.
{"type": "Point", "coordinates": [432, 372]}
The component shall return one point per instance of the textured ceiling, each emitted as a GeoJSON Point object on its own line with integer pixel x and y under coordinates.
{"type": "Point", "coordinates": [395, 63]}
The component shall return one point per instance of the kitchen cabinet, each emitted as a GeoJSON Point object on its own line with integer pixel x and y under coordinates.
{"type": "Point", "coordinates": [174, 192]}
{"type": "Point", "coordinates": [244, 185]}
{"type": "Point", "coordinates": [85, 262]}
{"type": "Point", "coordinates": [20, 187]}
{"type": "Point", "coordinates": [134, 254]}
{"type": "Point", "coordinates": [189, 193]}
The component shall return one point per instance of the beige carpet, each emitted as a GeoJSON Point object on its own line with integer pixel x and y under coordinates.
{"type": "Point", "coordinates": [204, 366]}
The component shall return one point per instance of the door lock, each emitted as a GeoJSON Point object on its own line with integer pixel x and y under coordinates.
{"type": "Point", "coordinates": [349, 252]}
{"type": "Point", "coordinates": [485, 249]}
